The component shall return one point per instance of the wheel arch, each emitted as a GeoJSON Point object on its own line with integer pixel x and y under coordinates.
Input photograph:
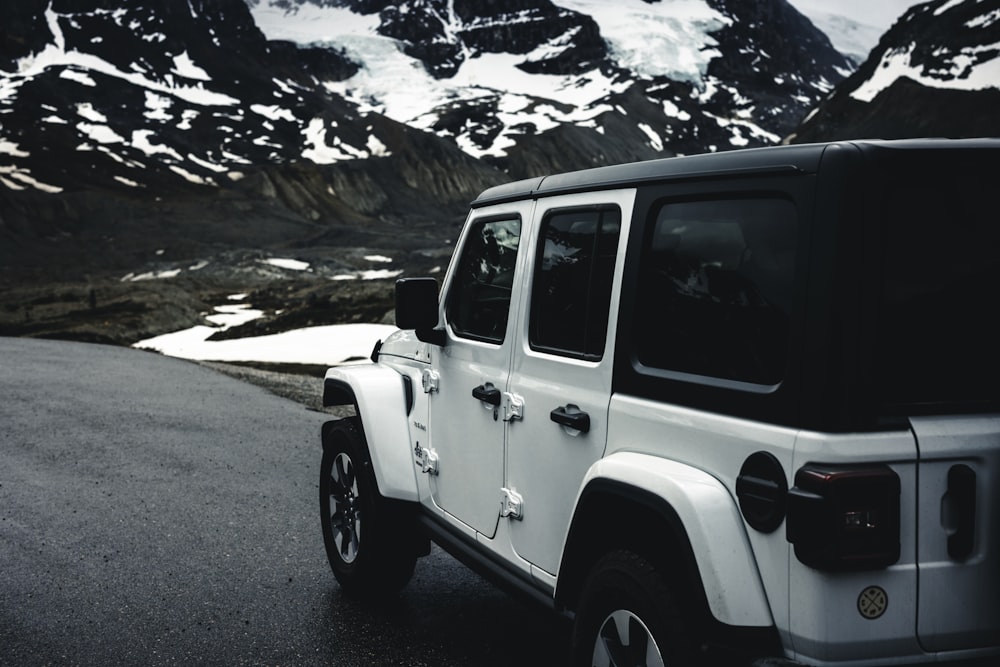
{"type": "Point", "coordinates": [382, 398]}
{"type": "Point", "coordinates": [683, 519]}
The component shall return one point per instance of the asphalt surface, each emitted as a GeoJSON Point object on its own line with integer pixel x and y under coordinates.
{"type": "Point", "coordinates": [154, 511]}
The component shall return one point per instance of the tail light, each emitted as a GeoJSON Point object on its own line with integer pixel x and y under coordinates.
{"type": "Point", "coordinates": [844, 518]}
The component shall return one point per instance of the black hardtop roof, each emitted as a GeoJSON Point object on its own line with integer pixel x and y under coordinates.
{"type": "Point", "coordinates": [804, 158]}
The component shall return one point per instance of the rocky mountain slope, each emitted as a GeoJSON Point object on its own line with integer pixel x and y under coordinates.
{"type": "Point", "coordinates": [187, 141]}
{"type": "Point", "coordinates": [131, 128]}
{"type": "Point", "coordinates": [153, 130]}
{"type": "Point", "coordinates": [936, 72]}
{"type": "Point", "coordinates": [539, 86]}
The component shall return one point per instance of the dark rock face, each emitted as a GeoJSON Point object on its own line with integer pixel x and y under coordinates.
{"type": "Point", "coordinates": [24, 31]}
{"type": "Point", "coordinates": [941, 45]}
{"type": "Point", "coordinates": [775, 57]}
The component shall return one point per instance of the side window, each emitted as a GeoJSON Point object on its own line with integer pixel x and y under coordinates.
{"type": "Point", "coordinates": [478, 302]}
{"type": "Point", "coordinates": [572, 283]}
{"type": "Point", "coordinates": [716, 289]}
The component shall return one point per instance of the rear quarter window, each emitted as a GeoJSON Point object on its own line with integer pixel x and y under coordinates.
{"type": "Point", "coordinates": [716, 289]}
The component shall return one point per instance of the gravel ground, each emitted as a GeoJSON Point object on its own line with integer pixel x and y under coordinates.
{"type": "Point", "coordinates": [303, 388]}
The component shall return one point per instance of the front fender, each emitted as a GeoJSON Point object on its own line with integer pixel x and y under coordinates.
{"type": "Point", "coordinates": [713, 525]}
{"type": "Point", "coordinates": [380, 398]}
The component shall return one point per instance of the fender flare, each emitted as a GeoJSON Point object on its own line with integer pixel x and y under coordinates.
{"type": "Point", "coordinates": [380, 398]}
{"type": "Point", "coordinates": [702, 513]}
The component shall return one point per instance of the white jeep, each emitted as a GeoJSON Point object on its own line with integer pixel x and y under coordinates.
{"type": "Point", "coordinates": [711, 408]}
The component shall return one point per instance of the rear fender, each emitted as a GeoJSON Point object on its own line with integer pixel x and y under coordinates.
{"type": "Point", "coordinates": [380, 397]}
{"type": "Point", "coordinates": [714, 529]}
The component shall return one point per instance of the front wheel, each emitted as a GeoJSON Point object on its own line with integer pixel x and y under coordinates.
{"type": "Point", "coordinates": [365, 535]}
{"type": "Point", "coordinates": [627, 616]}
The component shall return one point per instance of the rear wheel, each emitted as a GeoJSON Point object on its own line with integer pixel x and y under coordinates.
{"type": "Point", "coordinates": [627, 616]}
{"type": "Point", "coordinates": [368, 538]}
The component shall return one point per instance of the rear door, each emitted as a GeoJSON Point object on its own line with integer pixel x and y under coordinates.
{"type": "Point", "coordinates": [562, 364]}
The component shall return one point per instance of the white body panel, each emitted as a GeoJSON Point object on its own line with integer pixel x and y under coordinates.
{"type": "Point", "coordinates": [693, 442]}
{"type": "Point", "coordinates": [970, 583]}
{"type": "Point", "coordinates": [378, 391]}
{"type": "Point", "coordinates": [835, 629]}
{"type": "Point", "coordinates": [714, 527]}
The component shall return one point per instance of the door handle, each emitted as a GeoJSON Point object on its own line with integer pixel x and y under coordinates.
{"type": "Point", "coordinates": [487, 393]}
{"type": "Point", "coordinates": [571, 416]}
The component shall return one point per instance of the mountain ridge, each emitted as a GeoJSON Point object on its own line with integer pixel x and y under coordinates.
{"type": "Point", "coordinates": [155, 131]}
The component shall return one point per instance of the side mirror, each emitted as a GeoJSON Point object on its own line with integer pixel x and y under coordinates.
{"type": "Point", "coordinates": [417, 308]}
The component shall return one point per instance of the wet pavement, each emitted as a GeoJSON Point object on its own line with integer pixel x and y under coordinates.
{"type": "Point", "coordinates": [154, 511]}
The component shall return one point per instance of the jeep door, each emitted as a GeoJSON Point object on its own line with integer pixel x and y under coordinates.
{"type": "Point", "coordinates": [562, 364]}
{"type": "Point", "coordinates": [480, 298]}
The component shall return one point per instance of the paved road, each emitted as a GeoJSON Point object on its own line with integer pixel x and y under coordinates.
{"type": "Point", "coordinates": [155, 512]}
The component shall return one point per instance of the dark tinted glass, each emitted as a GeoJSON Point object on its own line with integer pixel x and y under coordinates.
{"type": "Point", "coordinates": [572, 282]}
{"type": "Point", "coordinates": [479, 299]}
{"type": "Point", "coordinates": [716, 289]}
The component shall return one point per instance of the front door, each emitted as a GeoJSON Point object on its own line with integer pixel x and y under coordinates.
{"type": "Point", "coordinates": [466, 422]}
{"type": "Point", "coordinates": [562, 365]}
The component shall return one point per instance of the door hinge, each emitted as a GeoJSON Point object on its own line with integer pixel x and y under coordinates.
{"type": "Point", "coordinates": [513, 407]}
{"type": "Point", "coordinates": [426, 459]}
{"type": "Point", "coordinates": [430, 380]}
{"type": "Point", "coordinates": [511, 504]}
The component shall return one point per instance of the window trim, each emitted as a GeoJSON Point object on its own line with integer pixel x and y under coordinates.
{"type": "Point", "coordinates": [601, 210]}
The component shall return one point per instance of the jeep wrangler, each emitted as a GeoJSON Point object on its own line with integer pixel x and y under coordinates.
{"type": "Point", "coordinates": [737, 405]}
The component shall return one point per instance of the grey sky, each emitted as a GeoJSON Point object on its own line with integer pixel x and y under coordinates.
{"type": "Point", "coordinates": [879, 13]}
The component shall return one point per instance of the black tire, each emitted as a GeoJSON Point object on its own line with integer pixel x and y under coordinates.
{"type": "Point", "coordinates": [627, 616]}
{"type": "Point", "coordinates": [368, 538]}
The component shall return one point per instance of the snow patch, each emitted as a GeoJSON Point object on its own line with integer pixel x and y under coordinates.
{"type": "Point", "coordinates": [22, 179]}
{"type": "Point", "coordinates": [290, 264]}
{"type": "Point", "coordinates": [87, 111]}
{"type": "Point", "coordinates": [274, 112]}
{"type": "Point", "coordinates": [10, 149]}
{"type": "Point", "coordinates": [185, 67]}
{"type": "Point", "coordinates": [325, 345]}
{"type": "Point", "coordinates": [311, 24]}
{"type": "Point", "coordinates": [140, 141]}
{"type": "Point", "coordinates": [150, 275]}
{"type": "Point", "coordinates": [156, 107]}
{"type": "Point", "coordinates": [102, 134]}
{"type": "Point", "coordinates": [322, 153]}
{"type": "Point", "coordinates": [667, 38]}
{"type": "Point", "coordinates": [654, 139]}
{"type": "Point", "coordinates": [960, 71]}
{"type": "Point", "coordinates": [80, 77]}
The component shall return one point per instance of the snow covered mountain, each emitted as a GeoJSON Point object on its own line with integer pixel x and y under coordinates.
{"type": "Point", "coordinates": [127, 128]}
{"type": "Point", "coordinates": [935, 73]}
{"type": "Point", "coordinates": [537, 86]}
{"type": "Point", "coordinates": [137, 130]}
{"type": "Point", "coordinates": [128, 124]}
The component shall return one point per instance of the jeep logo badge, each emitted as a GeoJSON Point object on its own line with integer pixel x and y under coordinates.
{"type": "Point", "coordinates": [873, 602]}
